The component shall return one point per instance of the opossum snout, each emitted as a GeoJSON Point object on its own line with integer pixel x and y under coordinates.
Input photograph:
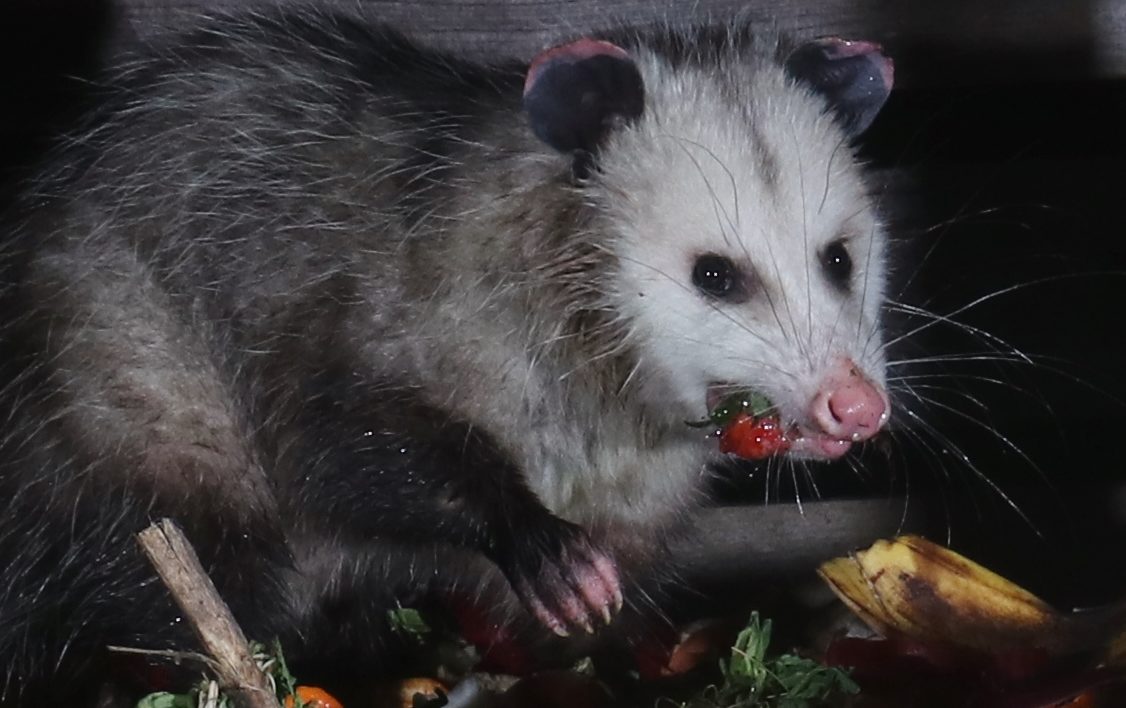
{"type": "Point", "coordinates": [848, 405]}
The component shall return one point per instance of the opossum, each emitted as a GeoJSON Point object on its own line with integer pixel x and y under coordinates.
{"type": "Point", "coordinates": [341, 305]}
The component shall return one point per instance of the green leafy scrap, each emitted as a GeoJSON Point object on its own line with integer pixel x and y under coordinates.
{"type": "Point", "coordinates": [749, 402]}
{"type": "Point", "coordinates": [269, 659]}
{"type": "Point", "coordinates": [409, 622]}
{"type": "Point", "coordinates": [192, 699]}
{"type": "Point", "coordinates": [751, 680]}
{"type": "Point", "coordinates": [164, 699]}
{"type": "Point", "coordinates": [272, 663]}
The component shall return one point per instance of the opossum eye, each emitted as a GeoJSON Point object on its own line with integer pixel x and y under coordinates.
{"type": "Point", "coordinates": [716, 276]}
{"type": "Point", "coordinates": [837, 264]}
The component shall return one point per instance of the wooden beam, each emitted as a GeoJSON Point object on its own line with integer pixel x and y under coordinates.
{"type": "Point", "coordinates": [935, 41]}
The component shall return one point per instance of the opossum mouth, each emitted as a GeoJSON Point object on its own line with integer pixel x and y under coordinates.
{"type": "Point", "coordinates": [723, 399]}
{"type": "Point", "coordinates": [815, 445]}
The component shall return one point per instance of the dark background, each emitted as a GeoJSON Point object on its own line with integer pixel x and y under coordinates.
{"type": "Point", "coordinates": [1001, 161]}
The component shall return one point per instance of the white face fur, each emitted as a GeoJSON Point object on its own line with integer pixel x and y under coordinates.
{"type": "Point", "coordinates": [759, 176]}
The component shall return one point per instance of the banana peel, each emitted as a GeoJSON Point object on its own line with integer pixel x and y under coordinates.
{"type": "Point", "coordinates": [910, 587]}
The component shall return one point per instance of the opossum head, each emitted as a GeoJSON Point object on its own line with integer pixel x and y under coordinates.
{"type": "Point", "coordinates": [746, 249]}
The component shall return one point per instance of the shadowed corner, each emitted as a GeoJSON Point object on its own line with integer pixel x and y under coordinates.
{"type": "Point", "coordinates": [48, 50]}
{"type": "Point", "coordinates": [1002, 160]}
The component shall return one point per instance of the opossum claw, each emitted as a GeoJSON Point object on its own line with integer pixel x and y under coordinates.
{"type": "Point", "coordinates": [603, 591]}
{"type": "Point", "coordinates": [598, 585]}
{"type": "Point", "coordinates": [564, 581]}
{"type": "Point", "coordinates": [566, 610]}
{"type": "Point", "coordinates": [546, 618]}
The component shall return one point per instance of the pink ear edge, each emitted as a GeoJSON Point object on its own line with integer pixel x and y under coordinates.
{"type": "Point", "coordinates": [842, 48]}
{"type": "Point", "coordinates": [575, 51]}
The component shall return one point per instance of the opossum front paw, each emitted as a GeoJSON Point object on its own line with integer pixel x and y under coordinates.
{"type": "Point", "coordinates": [564, 580]}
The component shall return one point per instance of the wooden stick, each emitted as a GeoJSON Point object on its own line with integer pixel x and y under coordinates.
{"type": "Point", "coordinates": [178, 566]}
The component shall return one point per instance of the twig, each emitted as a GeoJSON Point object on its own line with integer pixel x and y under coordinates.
{"type": "Point", "coordinates": [178, 566]}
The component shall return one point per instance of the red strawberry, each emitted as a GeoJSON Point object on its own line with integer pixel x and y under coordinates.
{"type": "Point", "coordinates": [754, 438]}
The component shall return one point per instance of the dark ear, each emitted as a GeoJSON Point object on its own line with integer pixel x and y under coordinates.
{"type": "Point", "coordinates": [855, 77]}
{"type": "Point", "coordinates": [576, 93]}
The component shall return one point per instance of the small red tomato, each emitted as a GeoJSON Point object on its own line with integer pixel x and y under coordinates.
{"type": "Point", "coordinates": [754, 438]}
{"type": "Point", "coordinates": [313, 697]}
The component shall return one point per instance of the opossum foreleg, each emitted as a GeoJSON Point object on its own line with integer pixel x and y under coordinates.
{"type": "Point", "coordinates": [387, 465]}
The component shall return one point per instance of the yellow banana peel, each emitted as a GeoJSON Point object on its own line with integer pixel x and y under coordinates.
{"type": "Point", "coordinates": [911, 587]}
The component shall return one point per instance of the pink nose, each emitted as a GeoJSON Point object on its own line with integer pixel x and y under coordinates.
{"type": "Point", "coordinates": [848, 406]}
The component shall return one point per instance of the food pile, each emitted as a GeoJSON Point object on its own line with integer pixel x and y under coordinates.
{"type": "Point", "coordinates": [940, 631]}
